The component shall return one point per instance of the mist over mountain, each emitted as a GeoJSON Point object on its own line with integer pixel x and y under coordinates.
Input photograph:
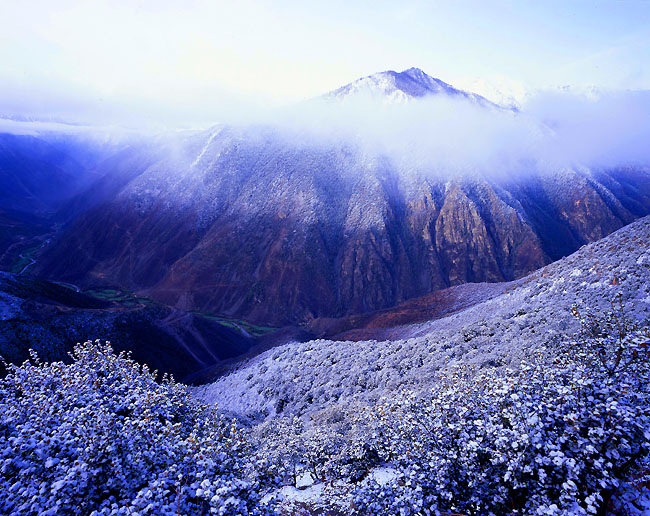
{"type": "Point", "coordinates": [413, 223]}
{"type": "Point", "coordinates": [392, 187]}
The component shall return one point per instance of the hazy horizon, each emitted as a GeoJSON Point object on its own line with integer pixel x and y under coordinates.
{"type": "Point", "coordinates": [198, 62]}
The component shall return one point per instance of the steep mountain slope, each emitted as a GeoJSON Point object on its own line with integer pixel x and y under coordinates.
{"type": "Point", "coordinates": [531, 313]}
{"type": "Point", "coordinates": [43, 171]}
{"type": "Point", "coordinates": [272, 226]}
{"type": "Point", "coordinates": [380, 324]}
{"type": "Point", "coordinates": [279, 234]}
{"type": "Point", "coordinates": [38, 173]}
{"type": "Point", "coordinates": [51, 318]}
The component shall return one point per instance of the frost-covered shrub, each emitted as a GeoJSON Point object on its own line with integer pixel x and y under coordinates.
{"type": "Point", "coordinates": [280, 447]}
{"type": "Point", "coordinates": [558, 436]}
{"type": "Point", "coordinates": [330, 445]}
{"type": "Point", "coordinates": [101, 436]}
{"type": "Point", "coordinates": [338, 443]}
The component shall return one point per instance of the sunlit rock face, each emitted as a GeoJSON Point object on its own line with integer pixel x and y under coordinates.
{"type": "Point", "coordinates": [262, 224]}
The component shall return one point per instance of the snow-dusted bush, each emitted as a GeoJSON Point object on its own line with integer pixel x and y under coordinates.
{"type": "Point", "coordinates": [281, 449]}
{"type": "Point", "coordinates": [558, 436]}
{"type": "Point", "coordinates": [330, 445]}
{"type": "Point", "coordinates": [101, 436]}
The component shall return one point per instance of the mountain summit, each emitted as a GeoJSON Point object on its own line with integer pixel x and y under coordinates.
{"type": "Point", "coordinates": [400, 87]}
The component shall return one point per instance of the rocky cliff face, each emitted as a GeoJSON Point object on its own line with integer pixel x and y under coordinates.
{"type": "Point", "coordinates": [246, 223]}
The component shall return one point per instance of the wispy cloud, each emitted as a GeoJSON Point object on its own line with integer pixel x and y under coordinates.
{"type": "Point", "coordinates": [441, 134]}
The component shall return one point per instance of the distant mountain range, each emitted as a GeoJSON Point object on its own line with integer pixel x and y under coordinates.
{"type": "Point", "coordinates": [240, 221]}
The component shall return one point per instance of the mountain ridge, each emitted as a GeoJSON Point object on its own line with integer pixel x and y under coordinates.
{"type": "Point", "coordinates": [404, 86]}
{"type": "Point", "coordinates": [281, 248]}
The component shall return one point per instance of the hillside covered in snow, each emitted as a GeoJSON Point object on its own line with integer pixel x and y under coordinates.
{"type": "Point", "coordinates": [532, 314]}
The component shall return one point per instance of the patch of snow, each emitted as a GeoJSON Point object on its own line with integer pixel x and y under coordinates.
{"type": "Point", "coordinates": [309, 495]}
{"type": "Point", "coordinates": [304, 480]}
{"type": "Point", "coordinates": [205, 148]}
{"type": "Point", "coordinates": [383, 475]}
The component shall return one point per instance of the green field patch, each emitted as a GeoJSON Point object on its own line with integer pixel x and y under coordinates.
{"type": "Point", "coordinates": [122, 297]}
{"type": "Point", "coordinates": [237, 324]}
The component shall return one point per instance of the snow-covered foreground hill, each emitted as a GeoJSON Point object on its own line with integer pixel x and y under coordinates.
{"type": "Point", "coordinates": [534, 400]}
{"type": "Point", "coordinates": [533, 313]}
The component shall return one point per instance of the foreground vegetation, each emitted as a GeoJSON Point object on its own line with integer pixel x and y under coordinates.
{"type": "Point", "coordinates": [562, 434]}
{"type": "Point", "coordinates": [558, 436]}
{"type": "Point", "coordinates": [101, 436]}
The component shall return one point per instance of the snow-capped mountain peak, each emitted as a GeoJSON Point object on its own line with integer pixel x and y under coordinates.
{"type": "Point", "coordinates": [400, 87]}
{"type": "Point", "coordinates": [430, 83]}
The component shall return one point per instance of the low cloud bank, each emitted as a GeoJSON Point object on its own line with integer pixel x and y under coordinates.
{"type": "Point", "coordinates": [608, 131]}
{"type": "Point", "coordinates": [557, 130]}
{"type": "Point", "coordinates": [439, 134]}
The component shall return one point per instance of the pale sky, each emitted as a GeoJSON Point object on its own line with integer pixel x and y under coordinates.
{"type": "Point", "coordinates": [194, 58]}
